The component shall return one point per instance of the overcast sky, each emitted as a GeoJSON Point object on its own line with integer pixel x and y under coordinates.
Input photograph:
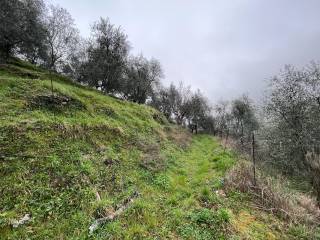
{"type": "Point", "coordinates": [224, 48]}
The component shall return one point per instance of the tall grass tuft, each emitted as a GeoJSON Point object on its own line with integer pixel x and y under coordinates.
{"type": "Point", "coordinates": [273, 195]}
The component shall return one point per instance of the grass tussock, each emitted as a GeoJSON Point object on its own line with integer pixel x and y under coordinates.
{"type": "Point", "coordinates": [313, 160]}
{"type": "Point", "coordinates": [273, 195]}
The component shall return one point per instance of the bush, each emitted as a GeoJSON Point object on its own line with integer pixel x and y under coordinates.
{"type": "Point", "coordinates": [272, 195]}
{"type": "Point", "coordinates": [313, 160]}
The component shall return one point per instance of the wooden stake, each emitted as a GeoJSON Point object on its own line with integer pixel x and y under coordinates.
{"type": "Point", "coordinates": [51, 83]}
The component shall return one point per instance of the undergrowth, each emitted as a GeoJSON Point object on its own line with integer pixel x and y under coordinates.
{"type": "Point", "coordinates": [299, 211]}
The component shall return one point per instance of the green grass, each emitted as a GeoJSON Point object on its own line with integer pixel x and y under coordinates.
{"type": "Point", "coordinates": [55, 158]}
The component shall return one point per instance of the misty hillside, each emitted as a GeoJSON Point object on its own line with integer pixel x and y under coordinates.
{"type": "Point", "coordinates": [76, 156]}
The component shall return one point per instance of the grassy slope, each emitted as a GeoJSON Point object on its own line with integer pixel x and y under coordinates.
{"type": "Point", "coordinates": [53, 161]}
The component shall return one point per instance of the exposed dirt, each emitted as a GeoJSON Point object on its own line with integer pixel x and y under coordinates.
{"type": "Point", "coordinates": [56, 103]}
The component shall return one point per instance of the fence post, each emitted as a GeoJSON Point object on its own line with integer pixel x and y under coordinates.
{"type": "Point", "coordinates": [51, 81]}
{"type": "Point", "coordinates": [226, 141]}
{"type": "Point", "coordinates": [253, 159]}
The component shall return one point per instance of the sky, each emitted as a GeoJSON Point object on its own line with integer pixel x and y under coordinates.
{"type": "Point", "coordinates": [225, 48]}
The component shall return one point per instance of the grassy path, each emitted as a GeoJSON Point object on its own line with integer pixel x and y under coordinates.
{"type": "Point", "coordinates": [182, 203]}
{"type": "Point", "coordinates": [179, 203]}
{"type": "Point", "coordinates": [199, 169]}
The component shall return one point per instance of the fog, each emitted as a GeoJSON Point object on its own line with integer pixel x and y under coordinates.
{"type": "Point", "coordinates": [224, 48]}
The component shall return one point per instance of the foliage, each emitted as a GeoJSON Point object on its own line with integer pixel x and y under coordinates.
{"type": "Point", "coordinates": [238, 120]}
{"type": "Point", "coordinates": [141, 78]}
{"type": "Point", "coordinates": [244, 118]}
{"type": "Point", "coordinates": [181, 105]}
{"type": "Point", "coordinates": [295, 111]}
{"type": "Point", "coordinates": [107, 53]}
{"type": "Point", "coordinates": [61, 37]}
{"type": "Point", "coordinates": [21, 29]}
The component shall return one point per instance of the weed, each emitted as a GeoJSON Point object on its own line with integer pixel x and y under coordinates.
{"type": "Point", "coordinates": [162, 181]}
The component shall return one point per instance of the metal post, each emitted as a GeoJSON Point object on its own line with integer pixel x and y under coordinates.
{"type": "Point", "coordinates": [253, 159]}
{"type": "Point", "coordinates": [226, 140]}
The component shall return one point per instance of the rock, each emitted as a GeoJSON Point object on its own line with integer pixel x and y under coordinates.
{"type": "Point", "coordinates": [221, 193]}
{"type": "Point", "coordinates": [26, 218]}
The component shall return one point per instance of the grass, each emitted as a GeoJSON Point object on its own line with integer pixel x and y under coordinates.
{"type": "Point", "coordinates": [56, 158]}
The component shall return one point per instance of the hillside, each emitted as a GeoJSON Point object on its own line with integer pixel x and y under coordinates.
{"type": "Point", "coordinates": [80, 155]}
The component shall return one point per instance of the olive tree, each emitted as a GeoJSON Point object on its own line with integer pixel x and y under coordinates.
{"type": "Point", "coordinates": [293, 112]}
{"type": "Point", "coordinates": [222, 115]}
{"type": "Point", "coordinates": [107, 55]}
{"type": "Point", "coordinates": [174, 102]}
{"type": "Point", "coordinates": [61, 36]}
{"type": "Point", "coordinates": [197, 108]}
{"type": "Point", "coordinates": [141, 78]}
{"type": "Point", "coordinates": [22, 30]}
{"type": "Point", "coordinates": [244, 118]}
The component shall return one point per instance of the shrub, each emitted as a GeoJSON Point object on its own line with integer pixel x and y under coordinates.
{"type": "Point", "coordinates": [272, 195]}
{"type": "Point", "coordinates": [313, 160]}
